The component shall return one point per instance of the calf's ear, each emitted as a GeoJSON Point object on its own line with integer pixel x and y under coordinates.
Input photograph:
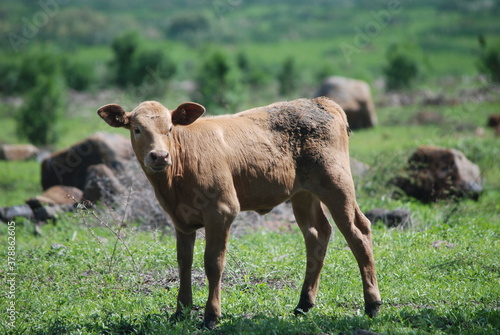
{"type": "Point", "coordinates": [187, 113]}
{"type": "Point", "coordinates": [114, 115]}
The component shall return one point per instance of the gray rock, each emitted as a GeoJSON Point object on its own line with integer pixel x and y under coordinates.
{"type": "Point", "coordinates": [354, 96]}
{"type": "Point", "coordinates": [51, 213]}
{"type": "Point", "coordinates": [439, 173]}
{"type": "Point", "coordinates": [69, 167]}
{"type": "Point", "coordinates": [11, 213]}
{"type": "Point", "coordinates": [18, 152]}
{"type": "Point", "coordinates": [397, 218]}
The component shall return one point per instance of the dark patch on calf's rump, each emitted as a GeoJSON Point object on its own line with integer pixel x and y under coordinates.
{"type": "Point", "coordinates": [300, 120]}
{"type": "Point", "coordinates": [302, 128]}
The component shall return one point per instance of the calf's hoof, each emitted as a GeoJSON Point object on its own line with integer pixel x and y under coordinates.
{"type": "Point", "coordinates": [372, 308]}
{"type": "Point", "coordinates": [210, 321]}
{"type": "Point", "coordinates": [302, 309]}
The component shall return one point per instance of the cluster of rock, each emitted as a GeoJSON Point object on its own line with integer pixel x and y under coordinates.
{"type": "Point", "coordinates": [432, 173]}
{"type": "Point", "coordinates": [100, 169]}
{"type": "Point", "coordinates": [47, 206]}
{"type": "Point", "coordinates": [92, 165]}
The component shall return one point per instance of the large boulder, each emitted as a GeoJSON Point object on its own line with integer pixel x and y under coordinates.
{"type": "Point", "coordinates": [438, 173]}
{"type": "Point", "coordinates": [102, 184]}
{"type": "Point", "coordinates": [354, 96]}
{"type": "Point", "coordinates": [69, 167]}
{"type": "Point", "coordinates": [18, 152]}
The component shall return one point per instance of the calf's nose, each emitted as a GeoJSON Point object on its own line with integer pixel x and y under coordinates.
{"type": "Point", "coordinates": [157, 160]}
{"type": "Point", "coordinates": [159, 156]}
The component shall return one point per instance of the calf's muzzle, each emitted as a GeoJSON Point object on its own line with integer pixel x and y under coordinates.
{"type": "Point", "coordinates": [158, 160]}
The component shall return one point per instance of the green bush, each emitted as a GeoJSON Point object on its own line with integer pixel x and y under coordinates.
{"type": "Point", "coordinates": [219, 83]}
{"type": "Point", "coordinates": [288, 77]}
{"type": "Point", "coordinates": [9, 73]}
{"type": "Point", "coordinates": [78, 75]}
{"type": "Point", "coordinates": [151, 72]}
{"type": "Point", "coordinates": [124, 48]}
{"type": "Point", "coordinates": [19, 74]}
{"type": "Point", "coordinates": [37, 120]}
{"type": "Point", "coordinates": [402, 67]}
{"type": "Point", "coordinates": [188, 27]}
{"type": "Point", "coordinates": [252, 73]}
{"type": "Point", "coordinates": [489, 60]}
{"type": "Point", "coordinates": [36, 62]}
{"type": "Point", "coordinates": [146, 70]}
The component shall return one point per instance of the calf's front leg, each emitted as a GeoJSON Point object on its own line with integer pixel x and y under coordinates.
{"type": "Point", "coordinates": [185, 248]}
{"type": "Point", "coordinates": [215, 260]}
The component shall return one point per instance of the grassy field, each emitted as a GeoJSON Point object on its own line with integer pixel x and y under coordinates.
{"type": "Point", "coordinates": [80, 280]}
{"type": "Point", "coordinates": [84, 277]}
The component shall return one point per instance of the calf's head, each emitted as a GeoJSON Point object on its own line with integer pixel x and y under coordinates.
{"type": "Point", "coordinates": [150, 126]}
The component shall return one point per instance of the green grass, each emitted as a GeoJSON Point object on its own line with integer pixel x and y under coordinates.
{"type": "Point", "coordinates": [18, 182]}
{"type": "Point", "coordinates": [97, 284]}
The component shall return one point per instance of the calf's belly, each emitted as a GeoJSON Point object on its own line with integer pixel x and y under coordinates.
{"type": "Point", "coordinates": [262, 198]}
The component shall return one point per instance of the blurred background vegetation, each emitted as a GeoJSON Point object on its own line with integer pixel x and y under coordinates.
{"type": "Point", "coordinates": [229, 54]}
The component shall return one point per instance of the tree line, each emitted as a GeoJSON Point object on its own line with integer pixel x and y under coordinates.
{"type": "Point", "coordinates": [42, 75]}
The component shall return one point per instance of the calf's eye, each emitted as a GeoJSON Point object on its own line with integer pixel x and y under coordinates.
{"type": "Point", "coordinates": [137, 131]}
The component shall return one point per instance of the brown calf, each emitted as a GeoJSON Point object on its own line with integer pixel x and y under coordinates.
{"type": "Point", "coordinates": [205, 172]}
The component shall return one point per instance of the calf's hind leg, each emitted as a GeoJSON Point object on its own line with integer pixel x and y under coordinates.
{"type": "Point", "coordinates": [355, 227]}
{"type": "Point", "coordinates": [316, 230]}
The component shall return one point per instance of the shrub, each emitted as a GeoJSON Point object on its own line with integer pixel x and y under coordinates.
{"type": "Point", "coordinates": [34, 63]}
{"type": "Point", "coordinates": [190, 27]}
{"type": "Point", "coordinates": [489, 60]}
{"type": "Point", "coordinates": [37, 120]}
{"type": "Point", "coordinates": [218, 83]}
{"type": "Point", "coordinates": [252, 74]}
{"type": "Point", "coordinates": [133, 65]}
{"type": "Point", "coordinates": [401, 69]}
{"type": "Point", "coordinates": [124, 49]}
{"type": "Point", "coordinates": [9, 73]}
{"type": "Point", "coordinates": [78, 75]}
{"type": "Point", "coordinates": [18, 74]}
{"type": "Point", "coordinates": [151, 71]}
{"type": "Point", "coordinates": [288, 77]}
